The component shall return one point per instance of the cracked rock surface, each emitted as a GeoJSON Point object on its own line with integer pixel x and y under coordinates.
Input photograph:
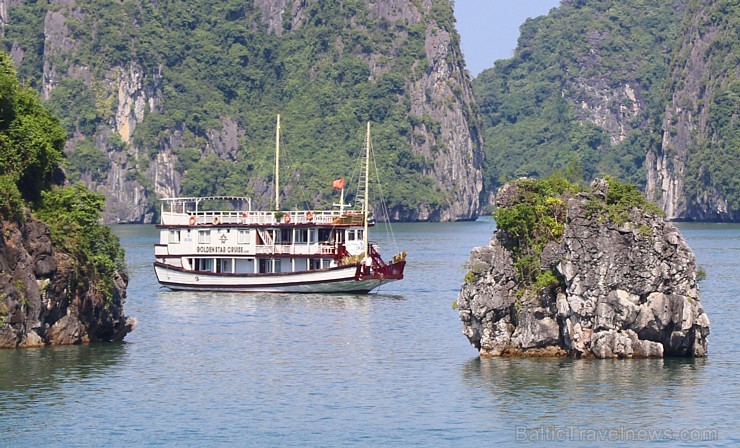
{"type": "Point", "coordinates": [626, 290]}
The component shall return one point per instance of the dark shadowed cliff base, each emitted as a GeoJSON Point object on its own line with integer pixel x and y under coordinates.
{"type": "Point", "coordinates": [612, 281]}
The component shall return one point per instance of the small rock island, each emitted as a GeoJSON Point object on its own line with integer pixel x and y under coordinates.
{"type": "Point", "coordinates": [586, 274]}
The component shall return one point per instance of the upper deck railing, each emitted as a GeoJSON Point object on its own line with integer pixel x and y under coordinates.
{"type": "Point", "coordinates": [187, 212]}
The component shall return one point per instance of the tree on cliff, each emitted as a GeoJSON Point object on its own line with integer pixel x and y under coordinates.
{"type": "Point", "coordinates": [642, 90]}
{"type": "Point", "coordinates": [31, 143]}
{"type": "Point", "coordinates": [32, 187]}
{"type": "Point", "coordinates": [193, 89]}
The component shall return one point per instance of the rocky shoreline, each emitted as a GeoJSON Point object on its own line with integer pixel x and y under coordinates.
{"type": "Point", "coordinates": [44, 300]}
{"type": "Point", "coordinates": [624, 289]}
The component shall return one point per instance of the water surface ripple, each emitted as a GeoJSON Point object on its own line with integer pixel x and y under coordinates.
{"type": "Point", "coordinates": [388, 369]}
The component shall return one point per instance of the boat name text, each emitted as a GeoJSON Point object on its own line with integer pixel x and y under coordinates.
{"type": "Point", "coordinates": [215, 249]}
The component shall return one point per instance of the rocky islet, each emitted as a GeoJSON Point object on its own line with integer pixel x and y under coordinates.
{"type": "Point", "coordinates": [626, 290]}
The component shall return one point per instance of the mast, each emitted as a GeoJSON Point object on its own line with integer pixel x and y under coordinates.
{"type": "Point", "coordinates": [367, 195]}
{"type": "Point", "coordinates": [277, 165]}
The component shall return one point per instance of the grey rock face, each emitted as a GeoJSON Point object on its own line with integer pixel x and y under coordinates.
{"type": "Point", "coordinates": [438, 90]}
{"type": "Point", "coordinates": [42, 300]}
{"type": "Point", "coordinates": [627, 291]}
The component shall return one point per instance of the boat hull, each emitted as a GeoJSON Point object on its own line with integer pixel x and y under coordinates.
{"type": "Point", "coordinates": [347, 279]}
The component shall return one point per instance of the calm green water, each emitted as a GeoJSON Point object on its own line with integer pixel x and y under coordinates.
{"type": "Point", "coordinates": [390, 369]}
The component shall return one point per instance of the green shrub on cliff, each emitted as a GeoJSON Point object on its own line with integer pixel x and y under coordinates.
{"type": "Point", "coordinates": [538, 215]}
{"type": "Point", "coordinates": [72, 214]}
{"type": "Point", "coordinates": [31, 140]}
{"type": "Point", "coordinates": [622, 199]}
{"type": "Point", "coordinates": [31, 151]}
{"type": "Point", "coordinates": [535, 217]}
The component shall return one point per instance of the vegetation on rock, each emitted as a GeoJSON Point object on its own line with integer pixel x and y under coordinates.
{"type": "Point", "coordinates": [31, 151]}
{"type": "Point", "coordinates": [532, 213]}
{"type": "Point", "coordinates": [590, 85]}
{"type": "Point", "coordinates": [532, 217]}
{"type": "Point", "coordinates": [326, 72]}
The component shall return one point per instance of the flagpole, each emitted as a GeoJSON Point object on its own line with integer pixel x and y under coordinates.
{"type": "Point", "coordinates": [341, 200]}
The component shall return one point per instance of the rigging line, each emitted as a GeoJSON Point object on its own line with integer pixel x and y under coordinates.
{"type": "Point", "coordinates": [384, 205]}
{"type": "Point", "coordinates": [286, 156]}
{"type": "Point", "coordinates": [357, 179]}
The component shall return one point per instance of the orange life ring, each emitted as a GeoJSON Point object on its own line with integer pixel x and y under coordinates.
{"type": "Point", "coordinates": [286, 218]}
{"type": "Point", "coordinates": [244, 215]}
{"type": "Point", "coordinates": [192, 220]}
{"type": "Point", "coordinates": [215, 220]}
{"type": "Point", "coordinates": [309, 215]}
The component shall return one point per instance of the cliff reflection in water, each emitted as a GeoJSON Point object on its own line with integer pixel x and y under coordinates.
{"type": "Point", "coordinates": [578, 392]}
{"type": "Point", "coordinates": [32, 378]}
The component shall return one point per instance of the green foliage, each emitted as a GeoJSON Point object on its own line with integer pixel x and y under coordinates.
{"type": "Point", "coordinates": [470, 277]}
{"type": "Point", "coordinates": [72, 214]}
{"type": "Point", "coordinates": [27, 33]}
{"type": "Point", "coordinates": [11, 201]}
{"type": "Point", "coordinates": [622, 201]}
{"type": "Point", "coordinates": [535, 217]}
{"type": "Point", "coordinates": [547, 279]}
{"type": "Point", "coordinates": [220, 64]}
{"type": "Point", "coordinates": [87, 158]}
{"type": "Point", "coordinates": [75, 102]}
{"type": "Point", "coordinates": [538, 215]}
{"type": "Point", "coordinates": [31, 140]}
{"type": "Point", "coordinates": [533, 122]}
{"type": "Point", "coordinates": [701, 274]}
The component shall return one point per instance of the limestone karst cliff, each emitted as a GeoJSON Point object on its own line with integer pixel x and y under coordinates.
{"type": "Point", "coordinates": [609, 282]}
{"type": "Point", "coordinates": [181, 97]}
{"type": "Point", "coordinates": [693, 173]}
{"type": "Point", "coordinates": [645, 91]}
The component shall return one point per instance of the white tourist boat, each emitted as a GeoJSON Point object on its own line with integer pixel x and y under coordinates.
{"type": "Point", "coordinates": [222, 244]}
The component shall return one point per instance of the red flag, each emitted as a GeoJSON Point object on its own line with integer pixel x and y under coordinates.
{"type": "Point", "coordinates": [338, 184]}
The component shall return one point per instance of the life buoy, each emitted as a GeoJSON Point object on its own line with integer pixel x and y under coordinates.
{"type": "Point", "coordinates": [215, 220]}
{"type": "Point", "coordinates": [192, 220]}
{"type": "Point", "coordinates": [286, 218]}
{"type": "Point", "coordinates": [244, 215]}
{"type": "Point", "coordinates": [309, 215]}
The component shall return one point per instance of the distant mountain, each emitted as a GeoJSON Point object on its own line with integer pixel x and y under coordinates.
{"type": "Point", "coordinates": [180, 98]}
{"type": "Point", "coordinates": [645, 90]}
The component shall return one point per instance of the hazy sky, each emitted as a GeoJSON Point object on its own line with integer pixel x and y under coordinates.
{"type": "Point", "coordinates": [489, 29]}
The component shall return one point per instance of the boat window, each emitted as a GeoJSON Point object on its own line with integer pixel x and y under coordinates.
{"type": "Point", "coordinates": [265, 265]}
{"type": "Point", "coordinates": [350, 235]}
{"type": "Point", "coordinates": [204, 237]}
{"type": "Point", "coordinates": [359, 234]}
{"type": "Point", "coordinates": [278, 265]}
{"type": "Point", "coordinates": [325, 235]}
{"type": "Point", "coordinates": [286, 236]}
{"type": "Point", "coordinates": [301, 236]}
{"type": "Point", "coordinates": [224, 265]}
{"type": "Point", "coordinates": [203, 264]}
{"type": "Point", "coordinates": [327, 263]}
{"type": "Point", "coordinates": [244, 236]}
{"type": "Point", "coordinates": [314, 264]}
{"type": "Point", "coordinates": [174, 236]}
